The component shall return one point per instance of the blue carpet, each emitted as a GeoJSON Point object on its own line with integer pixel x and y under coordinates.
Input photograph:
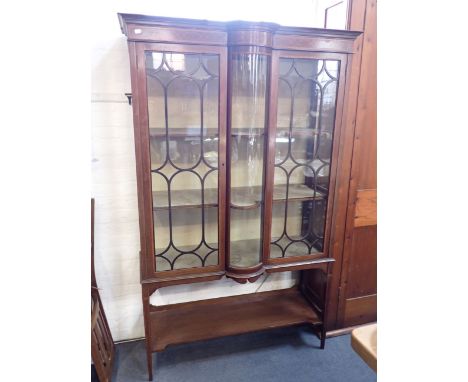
{"type": "Point", "coordinates": [282, 355]}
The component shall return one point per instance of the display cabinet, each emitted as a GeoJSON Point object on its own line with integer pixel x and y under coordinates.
{"type": "Point", "coordinates": [238, 142]}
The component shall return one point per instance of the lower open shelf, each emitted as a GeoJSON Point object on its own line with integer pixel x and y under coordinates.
{"type": "Point", "coordinates": [201, 320]}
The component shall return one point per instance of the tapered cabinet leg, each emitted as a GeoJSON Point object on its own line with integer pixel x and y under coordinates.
{"type": "Point", "coordinates": [146, 292]}
{"type": "Point", "coordinates": [149, 360]}
{"type": "Point", "coordinates": [323, 337]}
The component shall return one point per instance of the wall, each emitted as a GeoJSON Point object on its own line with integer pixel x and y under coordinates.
{"type": "Point", "coordinates": [113, 160]}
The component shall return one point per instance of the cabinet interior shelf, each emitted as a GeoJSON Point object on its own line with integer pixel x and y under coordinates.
{"type": "Point", "coordinates": [206, 319]}
{"type": "Point", "coordinates": [194, 132]}
{"type": "Point", "coordinates": [250, 197]}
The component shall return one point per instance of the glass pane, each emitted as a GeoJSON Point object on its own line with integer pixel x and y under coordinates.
{"type": "Point", "coordinates": [248, 107]}
{"type": "Point", "coordinates": [244, 240]}
{"type": "Point", "coordinates": [305, 124]}
{"type": "Point", "coordinates": [183, 102]}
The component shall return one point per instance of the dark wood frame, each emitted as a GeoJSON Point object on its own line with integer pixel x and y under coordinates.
{"type": "Point", "coordinates": [184, 35]}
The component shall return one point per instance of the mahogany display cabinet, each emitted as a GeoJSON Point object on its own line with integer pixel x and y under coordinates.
{"type": "Point", "coordinates": [240, 161]}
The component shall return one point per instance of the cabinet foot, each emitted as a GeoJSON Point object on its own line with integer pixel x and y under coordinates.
{"type": "Point", "coordinates": [323, 337]}
{"type": "Point", "coordinates": [149, 360]}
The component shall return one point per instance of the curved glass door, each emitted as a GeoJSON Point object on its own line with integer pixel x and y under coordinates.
{"type": "Point", "coordinates": [307, 94]}
{"type": "Point", "coordinates": [183, 112]}
{"type": "Point", "coordinates": [249, 75]}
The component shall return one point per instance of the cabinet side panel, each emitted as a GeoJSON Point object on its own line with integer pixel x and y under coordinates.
{"type": "Point", "coordinates": [313, 286]}
{"type": "Point", "coordinates": [144, 162]}
{"type": "Point", "coordinates": [136, 128]}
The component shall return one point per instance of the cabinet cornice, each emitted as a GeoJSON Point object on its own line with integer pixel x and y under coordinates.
{"type": "Point", "coordinates": [235, 33]}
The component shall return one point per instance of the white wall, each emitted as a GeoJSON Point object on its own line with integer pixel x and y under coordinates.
{"type": "Point", "coordinates": [113, 158]}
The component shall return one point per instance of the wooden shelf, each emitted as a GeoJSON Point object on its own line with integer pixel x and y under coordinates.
{"type": "Point", "coordinates": [190, 132]}
{"type": "Point", "coordinates": [241, 197]}
{"type": "Point", "coordinates": [194, 132]}
{"type": "Point", "coordinates": [201, 320]}
{"type": "Point", "coordinates": [248, 132]}
{"type": "Point", "coordinates": [250, 197]}
{"type": "Point", "coordinates": [297, 192]}
{"type": "Point", "coordinates": [185, 199]}
{"type": "Point", "coordinates": [300, 132]}
{"type": "Point", "coordinates": [181, 132]}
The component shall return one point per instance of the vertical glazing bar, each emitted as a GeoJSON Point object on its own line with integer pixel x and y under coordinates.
{"type": "Point", "coordinates": [270, 153]}
{"type": "Point", "coordinates": [222, 165]}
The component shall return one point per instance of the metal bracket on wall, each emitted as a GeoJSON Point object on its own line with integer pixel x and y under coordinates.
{"type": "Point", "coordinates": [129, 97]}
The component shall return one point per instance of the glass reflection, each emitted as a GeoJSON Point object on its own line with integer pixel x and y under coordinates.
{"type": "Point", "coordinates": [248, 108]}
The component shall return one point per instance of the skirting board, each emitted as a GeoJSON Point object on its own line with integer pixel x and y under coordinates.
{"type": "Point", "coordinates": [343, 331]}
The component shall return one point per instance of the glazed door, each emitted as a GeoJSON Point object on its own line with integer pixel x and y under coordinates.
{"type": "Point", "coordinates": [304, 131]}
{"type": "Point", "coordinates": [183, 124]}
{"type": "Point", "coordinates": [249, 76]}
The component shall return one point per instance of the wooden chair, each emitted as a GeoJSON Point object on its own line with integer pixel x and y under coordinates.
{"type": "Point", "coordinates": [102, 345]}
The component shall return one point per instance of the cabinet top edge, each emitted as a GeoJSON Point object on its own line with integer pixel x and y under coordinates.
{"type": "Point", "coordinates": [145, 20]}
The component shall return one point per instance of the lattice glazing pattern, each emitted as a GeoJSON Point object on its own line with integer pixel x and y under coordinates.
{"type": "Point", "coordinates": [307, 93]}
{"type": "Point", "coordinates": [183, 100]}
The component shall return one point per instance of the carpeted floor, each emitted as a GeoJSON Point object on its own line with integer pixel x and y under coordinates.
{"type": "Point", "coordinates": [282, 355]}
